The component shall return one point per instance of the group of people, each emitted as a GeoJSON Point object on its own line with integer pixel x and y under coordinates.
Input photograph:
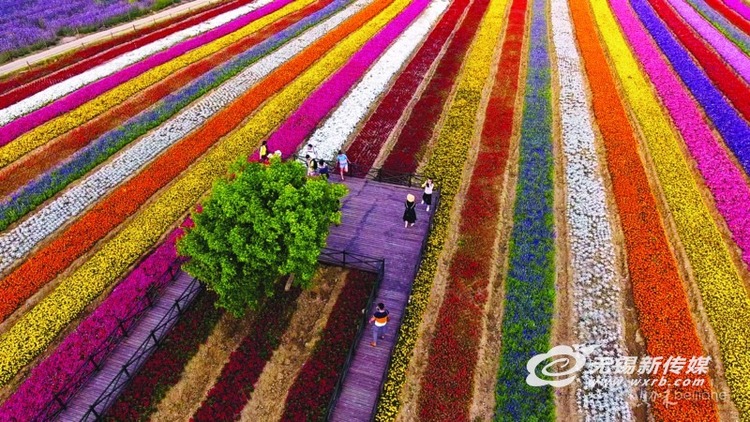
{"type": "Point", "coordinates": [319, 167]}
{"type": "Point", "coordinates": [410, 211]}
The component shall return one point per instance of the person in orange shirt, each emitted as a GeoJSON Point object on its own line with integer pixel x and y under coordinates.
{"type": "Point", "coordinates": [380, 318]}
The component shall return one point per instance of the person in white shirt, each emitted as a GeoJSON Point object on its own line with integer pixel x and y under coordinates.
{"type": "Point", "coordinates": [427, 195]}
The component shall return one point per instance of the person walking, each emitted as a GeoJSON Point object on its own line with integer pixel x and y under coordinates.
{"type": "Point", "coordinates": [410, 213]}
{"type": "Point", "coordinates": [427, 195]}
{"type": "Point", "coordinates": [380, 318]}
{"type": "Point", "coordinates": [323, 169]}
{"type": "Point", "coordinates": [343, 161]}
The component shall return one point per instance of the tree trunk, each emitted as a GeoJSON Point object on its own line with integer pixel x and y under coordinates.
{"type": "Point", "coordinates": [289, 282]}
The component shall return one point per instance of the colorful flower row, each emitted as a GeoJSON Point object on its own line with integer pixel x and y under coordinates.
{"type": "Point", "coordinates": [734, 129]}
{"type": "Point", "coordinates": [594, 278]}
{"type": "Point", "coordinates": [723, 292]}
{"type": "Point", "coordinates": [725, 181]}
{"type": "Point", "coordinates": [38, 326]}
{"type": "Point", "coordinates": [664, 316]}
{"type": "Point", "coordinates": [28, 83]}
{"type": "Point", "coordinates": [164, 368]}
{"type": "Point", "coordinates": [115, 89]}
{"type": "Point", "coordinates": [67, 365]}
{"type": "Point", "coordinates": [344, 120]}
{"type": "Point", "coordinates": [226, 399]}
{"type": "Point", "coordinates": [320, 103]}
{"type": "Point", "coordinates": [450, 153]}
{"type": "Point", "coordinates": [30, 25]}
{"type": "Point", "coordinates": [106, 215]}
{"type": "Point", "coordinates": [725, 78]}
{"type": "Point", "coordinates": [730, 15]}
{"type": "Point", "coordinates": [368, 142]}
{"type": "Point", "coordinates": [410, 145]}
{"type": "Point", "coordinates": [110, 175]}
{"type": "Point", "coordinates": [223, 63]}
{"type": "Point", "coordinates": [726, 49]}
{"type": "Point", "coordinates": [308, 398]}
{"type": "Point", "coordinates": [530, 283]}
{"type": "Point", "coordinates": [719, 22]}
{"type": "Point", "coordinates": [448, 379]}
{"type": "Point", "coordinates": [91, 83]}
{"type": "Point", "coordinates": [739, 7]}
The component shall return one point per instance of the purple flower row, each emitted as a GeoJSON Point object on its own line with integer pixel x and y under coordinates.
{"type": "Point", "coordinates": [89, 92]}
{"type": "Point", "coordinates": [25, 23]}
{"type": "Point", "coordinates": [726, 49]}
{"type": "Point", "coordinates": [318, 105]}
{"type": "Point", "coordinates": [721, 23]}
{"type": "Point", "coordinates": [68, 363]}
{"type": "Point", "coordinates": [723, 178]}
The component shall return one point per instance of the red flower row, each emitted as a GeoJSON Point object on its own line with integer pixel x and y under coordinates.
{"type": "Point", "coordinates": [30, 166]}
{"type": "Point", "coordinates": [48, 75]}
{"type": "Point", "coordinates": [448, 378]}
{"type": "Point", "coordinates": [232, 390]}
{"type": "Point", "coordinates": [725, 78]}
{"type": "Point", "coordinates": [164, 368]}
{"type": "Point", "coordinates": [366, 146]}
{"type": "Point", "coordinates": [412, 141]}
{"type": "Point", "coordinates": [309, 396]}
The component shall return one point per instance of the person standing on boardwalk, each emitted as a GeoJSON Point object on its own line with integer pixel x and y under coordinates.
{"type": "Point", "coordinates": [380, 318]}
{"type": "Point", "coordinates": [410, 213]}
{"type": "Point", "coordinates": [323, 169]}
{"type": "Point", "coordinates": [312, 165]}
{"type": "Point", "coordinates": [427, 195]}
{"type": "Point", "coordinates": [311, 151]}
{"type": "Point", "coordinates": [343, 161]}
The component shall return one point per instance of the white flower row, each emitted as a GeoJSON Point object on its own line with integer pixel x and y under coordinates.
{"type": "Point", "coordinates": [67, 86]}
{"type": "Point", "coordinates": [597, 296]}
{"type": "Point", "coordinates": [16, 243]}
{"type": "Point", "coordinates": [333, 134]}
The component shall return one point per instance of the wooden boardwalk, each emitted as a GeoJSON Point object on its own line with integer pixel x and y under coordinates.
{"type": "Point", "coordinates": [372, 225]}
{"type": "Point", "coordinates": [99, 381]}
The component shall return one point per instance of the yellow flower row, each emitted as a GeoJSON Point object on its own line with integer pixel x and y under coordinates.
{"type": "Point", "coordinates": [68, 121]}
{"type": "Point", "coordinates": [452, 147]}
{"type": "Point", "coordinates": [38, 327]}
{"type": "Point", "coordinates": [724, 297]}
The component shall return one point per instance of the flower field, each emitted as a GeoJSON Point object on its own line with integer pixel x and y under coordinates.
{"type": "Point", "coordinates": [593, 168]}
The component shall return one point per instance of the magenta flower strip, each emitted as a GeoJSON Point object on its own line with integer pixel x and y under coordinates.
{"type": "Point", "coordinates": [28, 122]}
{"type": "Point", "coordinates": [726, 49]}
{"type": "Point", "coordinates": [69, 364]}
{"type": "Point", "coordinates": [725, 181]}
{"type": "Point", "coordinates": [739, 7]}
{"type": "Point", "coordinates": [303, 121]}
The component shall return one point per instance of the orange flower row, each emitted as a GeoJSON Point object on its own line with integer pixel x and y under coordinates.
{"type": "Point", "coordinates": [106, 215]}
{"type": "Point", "coordinates": [664, 313]}
{"type": "Point", "coordinates": [30, 166]}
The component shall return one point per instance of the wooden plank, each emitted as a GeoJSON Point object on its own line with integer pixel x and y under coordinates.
{"type": "Point", "coordinates": [372, 226]}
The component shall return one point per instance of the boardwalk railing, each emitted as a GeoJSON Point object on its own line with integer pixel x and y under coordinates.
{"type": "Point", "coordinates": [422, 249]}
{"type": "Point", "coordinates": [377, 174]}
{"type": "Point", "coordinates": [100, 354]}
{"type": "Point", "coordinates": [129, 369]}
{"type": "Point", "coordinates": [364, 263]}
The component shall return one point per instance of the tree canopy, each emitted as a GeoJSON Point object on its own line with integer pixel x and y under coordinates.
{"type": "Point", "coordinates": [269, 221]}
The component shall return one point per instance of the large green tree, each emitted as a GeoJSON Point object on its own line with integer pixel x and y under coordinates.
{"type": "Point", "coordinates": [267, 222]}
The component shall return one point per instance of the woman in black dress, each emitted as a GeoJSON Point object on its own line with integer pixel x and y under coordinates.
{"type": "Point", "coordinates": [410, 213]}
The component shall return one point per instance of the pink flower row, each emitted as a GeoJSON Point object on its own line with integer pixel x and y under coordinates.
{"type": "Point", "coordinates": [726, 49]}
{"type": "Point", "coordinates": [318, 105]}
{"type": "Point", "coordinates": [723, 178]}
{"type": "Point", "coordinates": [63, 367]}
{"type": "Point", "coordinates": [28, 122]}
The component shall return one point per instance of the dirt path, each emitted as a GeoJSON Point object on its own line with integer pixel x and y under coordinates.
{"type": "Point", "coordinates": [145, 21]}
